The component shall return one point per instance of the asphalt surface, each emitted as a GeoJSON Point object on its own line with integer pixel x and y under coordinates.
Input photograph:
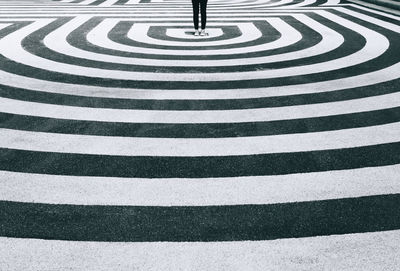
{"type": "Point", "coordinates": [272, 143]}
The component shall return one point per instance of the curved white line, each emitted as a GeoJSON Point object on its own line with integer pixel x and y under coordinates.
{"type": "Point", "coordinates": [330, 40]}
{"type": "Point", "coordinates": [98, 37]}
{"type": "Point", "coordinates": [139, 33]}
{"type": "Point", "coordinates": [2, 26]}
{"type": "Point", "coordinates": [180, 33]}
{"type": "Point", "coordinates": [211, 116]}
{"type": "Point", "coordinates": [302, 3]}
{"type": "Point", "coordinates": [108, 3]}
{"type": "Point", "coordinates": [331, 3]}
{"type": "Point", "coordinates": [196, 147]}
{"type": "Point", "coordinates": [371, 78]}
{"type": "Point", "coordinates": [359, 251]}
{"type": "Point", "coordinates": [375, 77]}
{"type": "Point", "coordinates": [370, 51]}
{"type": "Point", "coordinates": [86, 2]}
{"type": "Point", "coordinates": [79, 190]}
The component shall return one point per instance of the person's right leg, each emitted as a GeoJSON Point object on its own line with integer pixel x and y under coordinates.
{"type": "Point", "coordinates": [195, 4]}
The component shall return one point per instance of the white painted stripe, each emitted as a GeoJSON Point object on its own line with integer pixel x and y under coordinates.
{"type": "Point", "coordinates": [182, 33]}
{"type": "Point", "coordinates": [190, 147]}
{"type": "Point", "coordinates": [146, 15]}
{"type": "Point", "coordinates": [387, 74]}
{"type": "Point", "coordinates": [370, 19]}
{"type": "Point", "coordinates": [139, 33]}
{"type": "Point", "coordinates": [2, 26]}
{"type": "Point", "coordinates": [87, 2]}
{"type": "Point", "coordinates": [331, 3]}
{"type": "Point", "coordinates": [360, 251]}
{"type": "Point", "coordinates": [57, 41]}
{"type": "Point", "coordinates": [369, 52]}
{"type": "Point", "coordinates": [278, 3]}
{"type": "Point", "coordinates": [77, 190]}
{"type": "Point", "coordinates": [209, 116]}
{"type": "Point", "coordinates": [303, 3]}
{"type": "Point", "coordinates": [132, 2]}
{"type": "Point", "coordinates": [388, 15]}
{"type": "Point", "coordinates": [98, 36]}
{"type": "Point", "coordinates": [108, 3]}
{"type": "Point", "coordinates": [154, 9]}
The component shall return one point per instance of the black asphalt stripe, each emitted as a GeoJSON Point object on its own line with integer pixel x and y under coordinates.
{"type": "Point", "coordinates": [372, 14]}
{"type": "Point", "coordinates": [228, 104]}
{"type": "Point", "coordinates": [244, 4]}
{"type": "Point", "coordinates": [12, 28]}
{"type": "Point", "coordinates": [77, 38]}
{"type": "Point", "coordinates": [121, 2]}
{"type": "Point", "coordinates": [159, 33]}
{"type": "Point", "coordinates": [200, 223]}
{"type": "Point", "coordinates": [198, 167]}
{"type": "Point", "coordinates": [317, 3]}
{"type": "Point", "coordinates": [96, 3]}
{"type": "Point", "coordinates": [16, 68]}
{"type": "Point", "coordinates": [41, 50]}
{"type": "Point", "coordinates": [386, 59]}
{"type": "Point", "coordinates": [269, 34]}
{"type": "Point", "coordinates": [346, 49]}
{"type": "Point", "coordinates": [288, 5]}
{"type": "Point", "coordinates": [209, 130]}
{"type": "Point", "coordinates": [368, 24]}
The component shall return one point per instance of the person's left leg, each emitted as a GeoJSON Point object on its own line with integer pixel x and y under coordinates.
{"type": "Point", "coordinates": [203, 10]}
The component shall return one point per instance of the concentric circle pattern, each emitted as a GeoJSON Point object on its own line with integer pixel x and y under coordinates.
{"type": "Point", "coordinates": [117, 124]}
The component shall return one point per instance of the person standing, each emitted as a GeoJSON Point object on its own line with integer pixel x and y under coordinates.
{"type": "Point", "coordinates": [203, 9]}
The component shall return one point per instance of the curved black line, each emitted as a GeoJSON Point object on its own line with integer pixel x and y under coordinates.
{"type": "Point", "coordinates": [198, 167]}
{"type": "Point", "coordinates": [208, 130]}
{"type": "Point", "coordinates": [345, 49]}
{"type": "Point", "coordinates": [159, 32]}
{"type": "Point", "coordinates": [77, 38]}
{"type": "Point", "coordinates": [386, 59]}
{"type": "Point", "coordinates": [223, 104]}
{"type": "Point", "coordinates": [269, 34]}
{"type": "Point", "coordinates": [207, 223]}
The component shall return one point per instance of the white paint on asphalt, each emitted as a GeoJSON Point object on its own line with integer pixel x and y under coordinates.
{"type": "Point", "coordinates": [368, 52]}
{"type": "Point", "coordinates": [139, 33]}
{"type": "Point", "coordinates": [195, 147]}
{"type": "Point", "coordinates": [207, 116]}
{"type": "Point", "coordinates": [362, 80]}
{"type": "Point", "coordinates": [182, 33]}
{"type": "Point", "coordinates": [360, 251]}
{"type": "Point", "coordinates": [85, 190]}
{"type": "Point", "coordinates": [289, 35]}
{"type": "Point", "coordinates": [57, 41]}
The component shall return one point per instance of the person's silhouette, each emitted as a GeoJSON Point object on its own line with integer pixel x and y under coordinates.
{"type": "Point", "coordinates": [203, 9]}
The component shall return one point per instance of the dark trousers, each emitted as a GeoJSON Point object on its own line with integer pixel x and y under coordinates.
{"type": "Point", "coordinates": [203, 10]}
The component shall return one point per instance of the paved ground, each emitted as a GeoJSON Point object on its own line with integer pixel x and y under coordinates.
{"type": "Point", "coordinates": [126, 143]}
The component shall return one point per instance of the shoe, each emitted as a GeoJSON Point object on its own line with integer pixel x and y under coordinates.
{"type": "Point", "coordinates": [203, 33]}
{"type": "Point", "coordinates": [196, 32]}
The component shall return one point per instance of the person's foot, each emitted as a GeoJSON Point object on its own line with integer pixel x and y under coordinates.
{"type": "Point", "coordinates": [203, 32]}
{"type": "Point", "coordinates": [196, 32]}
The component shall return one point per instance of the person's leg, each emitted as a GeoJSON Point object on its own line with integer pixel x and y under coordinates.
{"type": "Point", "coordinates": [195, 4]}
{"type": "Point", "coordinates": [203, 7]}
